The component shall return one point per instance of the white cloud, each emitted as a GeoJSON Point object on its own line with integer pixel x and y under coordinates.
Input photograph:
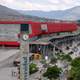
{"type": "Point", "coordinates": [16, 4]}
{"type": "Point", "coordinates": [3, 2]}
{"type": "Point", "coordinates": [54, 1]}
{"type": "Point", "coordinates": [40, 5]}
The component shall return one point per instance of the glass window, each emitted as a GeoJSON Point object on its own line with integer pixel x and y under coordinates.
{"type": "Point", "coordinates": [26, 28]}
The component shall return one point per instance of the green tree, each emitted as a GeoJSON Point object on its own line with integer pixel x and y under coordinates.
{"type": "Point", "coordinates": [76, 63]}
{"type": "Point", "coordinates": [53, 60]}
{"type": "Point", "coordinates": [33, 68]}
{"type": "Point", "coordinates": [74, 73]}
{"type": "Point", "coordinates": [52, 72]}
{"type": "Point", "coordinates": [66, 57]}
{"type": "Point", "coordinates": [77, 76]}
{"type": "Point", "coordinates": [62, 56]}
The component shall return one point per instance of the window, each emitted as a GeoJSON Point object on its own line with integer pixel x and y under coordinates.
{"type": "Point", "coordinates": [44, 27]}
{"type": "Point", "coordinates": [26, 28]}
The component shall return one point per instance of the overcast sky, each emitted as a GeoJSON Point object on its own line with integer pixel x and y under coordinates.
{"type": "Point", "coordinates": [45, 5]}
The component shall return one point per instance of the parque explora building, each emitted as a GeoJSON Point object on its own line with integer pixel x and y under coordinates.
{"type": "Point", "coordinates": [42, 34]}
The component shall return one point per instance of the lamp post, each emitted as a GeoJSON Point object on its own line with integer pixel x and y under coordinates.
{"type": "Point", "coordinates": [24, 61]}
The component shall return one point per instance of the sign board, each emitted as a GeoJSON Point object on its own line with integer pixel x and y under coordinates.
{"type": "Point", "coordinates": [44, 27]}
{"type": "Point", "coordinates": [24, 69]}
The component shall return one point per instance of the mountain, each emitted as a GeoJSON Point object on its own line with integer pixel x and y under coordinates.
{"type": "Point", "coordinates": [7, 11]}
{"type": "Point", "coordinates": [10, 14]}
{"type": "Point", "coordinates": [68, 14]}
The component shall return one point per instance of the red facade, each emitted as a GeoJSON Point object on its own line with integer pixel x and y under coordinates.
{"type": "Point", "coordinates": [9, 43]}
{"type": "Point", "coordinates": [61, 27]}
{"type": "Point", "coordinates": [52, 27]}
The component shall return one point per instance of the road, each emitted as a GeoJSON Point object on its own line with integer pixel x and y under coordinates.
{"type": "Point", "coordinates": [7, 56]}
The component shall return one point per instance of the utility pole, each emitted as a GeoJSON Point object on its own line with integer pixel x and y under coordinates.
{"type": "Point", "coordinates": [24, 58]}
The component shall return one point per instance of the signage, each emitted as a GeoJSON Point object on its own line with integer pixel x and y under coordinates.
{"type": "Point", "coordinates": [25, 37]}
{"type": "Point", "coordinates": [24, 67]}
{"type": "Point", "coordinates": [44, 27]}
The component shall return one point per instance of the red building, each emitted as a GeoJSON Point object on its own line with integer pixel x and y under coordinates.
{"type": "Point", "coordinates": [10, 30]}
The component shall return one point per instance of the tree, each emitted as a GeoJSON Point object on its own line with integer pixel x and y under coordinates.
{"type": "Point", "coordinates": [75, 69]}
{"type": "Point", "coordinates": [53, 60]}
{"type": "Point", "coordinates": [52, 72]}
{"type": "Point", "coordinates": [33, 68]}
{"type": "Point", "coordinates": [77, 76]}
{"type": "Point", "coordinates": [72, 73]}
{"type": "Point", "coordinates": [66, 57]}
{"type": "Point", "coordinates": [63, 56]}
{"type": "Point", "coordinates": [76, 63]}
